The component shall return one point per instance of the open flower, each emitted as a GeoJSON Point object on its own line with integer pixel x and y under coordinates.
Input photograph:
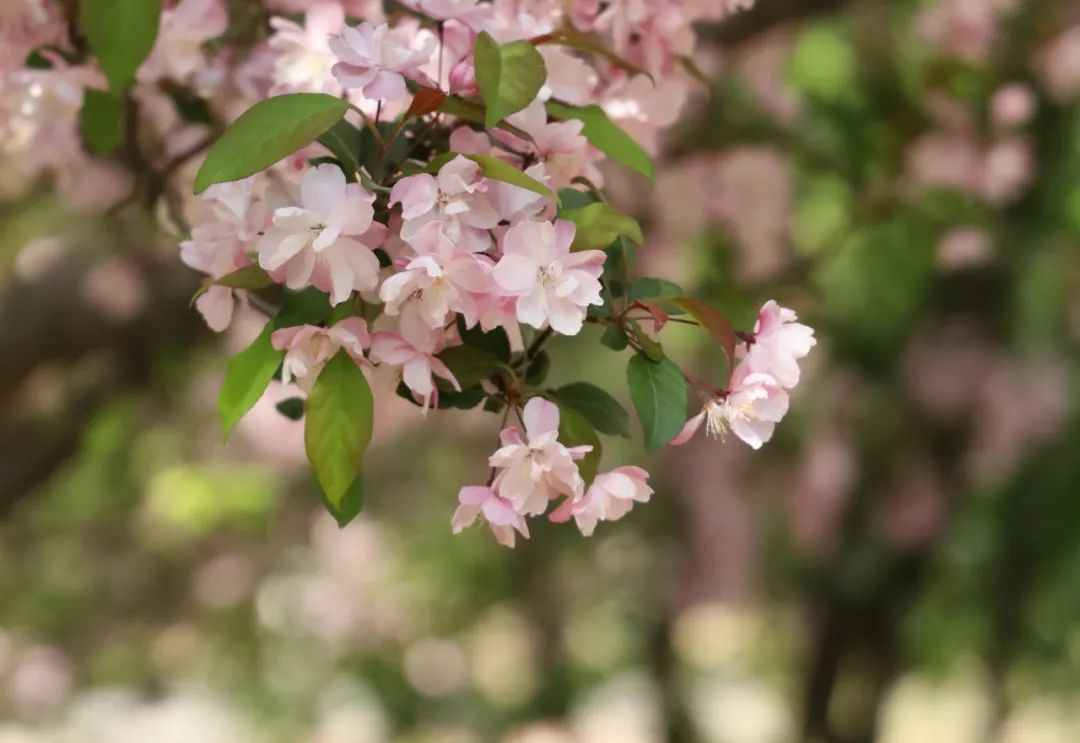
{"type": "Point", "coordinates": [552, 285]}
{"type": "Point", "coordinates": [438, 279]}
{"type": "Point", "coordinates": [377, 59]}
{"type": "Point", "coordinates": [751, 410]}
{"type": "Point", "coordinates": [778, 343]}
{"type": "Point", "coordinates": [609, 498]}
{"type": "Point", "coordinates": [309, 347]}
{"type": "Point", "coordinates": [457, 199]}
{"type": "Point", "coordinates": [327, 242]}
{"type": "Point", "coordinates": [533, 466]}
{"type": "Point", "coordinates": [498, 512]}
{"type": "Point", "coordinates": [414, 351]}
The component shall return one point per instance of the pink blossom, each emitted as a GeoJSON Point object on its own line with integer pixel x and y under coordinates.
{"type": "Point", "coordinates": [751, 410]}
{"type": "Point", "coordinates": [560, 145]}
{"type": "Point", "coordinates": [498, 512]}
{"type": "Point", "coordinates": [1058, 65]}
{"type": "Point", "coordinates": [777, 344]}
{"type": "Point", "coordinates": [439, 278]}
{"type": "Point", "coordinates": [327, 242]}
{"type": "Point", "coordinates": [309, 347]}
{"type": "Point", "coordinates": [414, 349]}
{"type": "Point", "coordinates": [457, 199]}
{"type": "Point", "coordinates": [533, 467]}
{"type": "Point", "coordinates": [1012, 106]}
{"type": "Point", "coordinates": [178, 52]}
{"type": "Point", "coordinates": [376, 59]}
{"type": "Point", "coordinates": [609, 498]}
{"type": "Point", "coordinates": [466, 11]}
{"type": "Point", "coordinates": [552, 285]}
{"type": "Point", "coordinates": [463, 78]}
{"type": "Point", "coordinates": [304, 61]}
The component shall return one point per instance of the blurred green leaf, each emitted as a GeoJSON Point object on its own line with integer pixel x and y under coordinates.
{"type": "Point", "coordinates": [102, 121]}
{"type": "Point", "coordinates": [246, 378]}
{"type": "Point", "coordinates": [121, 34]}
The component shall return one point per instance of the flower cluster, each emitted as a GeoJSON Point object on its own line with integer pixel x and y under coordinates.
{"type": "Point", "coordinates": [418, 194]}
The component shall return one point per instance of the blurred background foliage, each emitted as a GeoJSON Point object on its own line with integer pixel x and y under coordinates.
{"type": "Point", "coordinates": [899, 564]}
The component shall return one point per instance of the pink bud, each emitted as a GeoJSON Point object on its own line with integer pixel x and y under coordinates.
{"type": "Point", "coordinates": [463, 78]}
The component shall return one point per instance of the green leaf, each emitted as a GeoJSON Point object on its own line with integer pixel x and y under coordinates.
{"type": "Point", "coordinates": [537, 370]}
{"type": "Point", "coordinates": [246, 378]}
{"type": "Point", "coordinates": [577, 40]}
{"type": "Point", "coordinates": [509, 76]}
{"type": "Point", "coordinates": [350, 505]}
{"type": "Point", "coordinates": [574, 430]}
{"type": "Point", "coordinates": [600, 409]}
{"type": "Point", "coordinates": [572, 198]}
{"type": "Point", "coordinates": [102, 121]}
{"type": "Point", "coordinates": [658, 292]}
{"type": "Point", "coordinates": [476, 112]}
{"type": "Point", "coordinates": [343, 140]}
{"type": "Point", "coordinates": [266, 133]}
{"type": "Point", "coordinates": [469, 364]}
{"type": "Point", "coordinates": [606, 136]}
{"type": "Point", "coordinates": [615, 338]}
{"type": "Point", "coordinates": [658, 391]}
{"type": "Point", "coordinates": [712, 320]}
{"type": "Point", "coordinates": [251, 277]}
{"type": "Point", "coordinates": [307, 307]}
{"type": "Point", "coordinates": [121, 34]}
{"type": "Point", "coordinates": [340, 415]}
{"type": "Point", "coordinates": [600, 224]}
{"type": "Point", "coordinates": [495, 342]}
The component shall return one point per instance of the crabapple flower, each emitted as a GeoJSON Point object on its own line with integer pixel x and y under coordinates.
{"type": "Point", "coordinates": [457, 199]}
{"type": "Point", "coordinates": [609, 498]}
{"type": "Point", "coordinates": [553, 286]}
{"type": "Point", "coordinates": [751, 410]}
{"type": "Point", "coordinates": [560, 145]}
{"type": "Point", "coordinates": [466, 11]}
{"type": "Point", "coordinates": [474, 500]}
{"type": "Point", "coordinates": [533, 467]}
{"type": "Point", "coordinates": [439, 279]}
{"type": "Point", "coordinates": [178, 51]}
{"type": "Point", "coordinates": [328, 241]}
{"type": "Point", "coordinates": [309, 347]}
{"type": "Point", "coordinates": [778, 342]}
{"type": "Point", "coordinates": [218, 246]}
{"type": "Point", "coordinates": [376, 59]}
{"type": "Point", "coordinates": [414, 349]}
{"type": "Point", "coordinates": [304, 62]}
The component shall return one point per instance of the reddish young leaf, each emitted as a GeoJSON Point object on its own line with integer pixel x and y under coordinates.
{"type": "Point", "coordinates": [426, 101]}
{"type": "Point", "coordinates": [659, 317]}
{"type": "Point", "coordinates": [712, 320]}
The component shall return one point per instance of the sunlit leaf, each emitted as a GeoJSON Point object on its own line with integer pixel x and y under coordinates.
{"type": "Point", "coordinates": [606, 136]}
{"type": "Point", "coordinates": [246, 378]}
{"type": "Point", "coordinates": [340, 416]}
{"type": "Point", "coordinates": [509, 76]}
{"type": "Point", "coordinates": [266, 133]}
